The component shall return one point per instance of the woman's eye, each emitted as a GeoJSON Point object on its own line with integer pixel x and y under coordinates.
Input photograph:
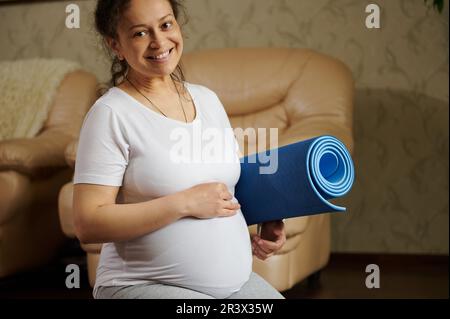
{"type": "Point", "coordinates": [139, 34]}
{"type": "Point", "coordinates": [167, 25]}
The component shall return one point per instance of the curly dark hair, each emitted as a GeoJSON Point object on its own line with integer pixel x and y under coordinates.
{"type": "Point", "coordinates": [107, 16]}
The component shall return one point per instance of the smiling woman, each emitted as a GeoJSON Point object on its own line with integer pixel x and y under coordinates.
{"type": "Point", "coordinates": [135, 31]}
{"type": "Point", "coordinates": [170, 230]}
{"type": "Point", "coordinates": [141, 46]}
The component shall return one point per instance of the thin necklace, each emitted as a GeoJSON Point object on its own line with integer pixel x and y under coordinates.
{"type": "Point", "coordinates": [179, 99]}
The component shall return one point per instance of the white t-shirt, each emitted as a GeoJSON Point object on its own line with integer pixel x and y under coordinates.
{"type": "Point", "coordinates": [124, 143]}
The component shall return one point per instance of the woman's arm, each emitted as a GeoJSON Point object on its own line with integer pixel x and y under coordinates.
{"type": "Point", "coordinates": [98, 219]}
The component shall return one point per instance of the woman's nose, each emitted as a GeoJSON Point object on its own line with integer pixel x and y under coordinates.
{"type": "Point", "coordinates": [156, 40]}
{"type": "Point", "coordinates": [154, 44]}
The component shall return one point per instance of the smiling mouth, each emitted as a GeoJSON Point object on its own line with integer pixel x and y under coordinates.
{"type": "Point", "coordinates": [161, 56]}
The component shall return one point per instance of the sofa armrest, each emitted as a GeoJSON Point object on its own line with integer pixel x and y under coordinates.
{"type": "Point", "coordinates": [40, 155]}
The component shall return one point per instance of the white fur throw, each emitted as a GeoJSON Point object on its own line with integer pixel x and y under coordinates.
{"type": "Point", "coordinates": [27, 89]}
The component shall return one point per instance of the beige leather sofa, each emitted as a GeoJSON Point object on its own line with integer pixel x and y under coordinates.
{"type": "Point", "coordinates": [32, 172]}
{"type": "Point", "coordinates": [302, 93]}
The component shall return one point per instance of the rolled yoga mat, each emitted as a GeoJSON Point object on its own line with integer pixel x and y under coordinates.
{"type": "Point", "coordinates": [308, 174]}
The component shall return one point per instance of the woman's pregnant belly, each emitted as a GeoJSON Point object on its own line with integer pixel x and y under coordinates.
{"type": "Point", "coordinates": [212, 256]}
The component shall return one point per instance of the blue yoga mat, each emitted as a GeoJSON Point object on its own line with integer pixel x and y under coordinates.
{"type": "Point", "coordinates": [308, 174]}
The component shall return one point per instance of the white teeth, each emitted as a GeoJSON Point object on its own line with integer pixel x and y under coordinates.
{"type": "Point", "coordinates": [161, 56]}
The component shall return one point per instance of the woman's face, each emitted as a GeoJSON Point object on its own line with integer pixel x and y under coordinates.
{"type": "Point", "coordinates": [149, 38]}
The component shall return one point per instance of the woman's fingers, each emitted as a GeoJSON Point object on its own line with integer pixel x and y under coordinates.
{"type": "Point", "coordinates": [226, 195]}
{"type": "Point", "coordinates": [258, 252]}
{"type": "Point", "coordinates": [231, 205]}
{"type": "Point", "coordinates": [265, 250]}
{"type": "Point", "coordinates": [268, 245]}
{"type": "Point", "coordinates": [228, 212]}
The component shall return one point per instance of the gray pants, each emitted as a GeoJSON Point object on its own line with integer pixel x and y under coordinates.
{"type": "Point", "coordinates": [255, 288]}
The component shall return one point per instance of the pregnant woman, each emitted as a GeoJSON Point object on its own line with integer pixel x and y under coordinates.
{"type": "Point", "coordinates": [170, 228]}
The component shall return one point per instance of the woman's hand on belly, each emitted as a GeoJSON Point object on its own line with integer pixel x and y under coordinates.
{"type": "Point", "coordinates": [208, 200]}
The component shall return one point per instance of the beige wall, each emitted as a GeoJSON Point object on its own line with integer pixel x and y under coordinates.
{"type": "Point", "coordinates": [409, 51]}
{"type": "Point", "coordinates": [401, 73]}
